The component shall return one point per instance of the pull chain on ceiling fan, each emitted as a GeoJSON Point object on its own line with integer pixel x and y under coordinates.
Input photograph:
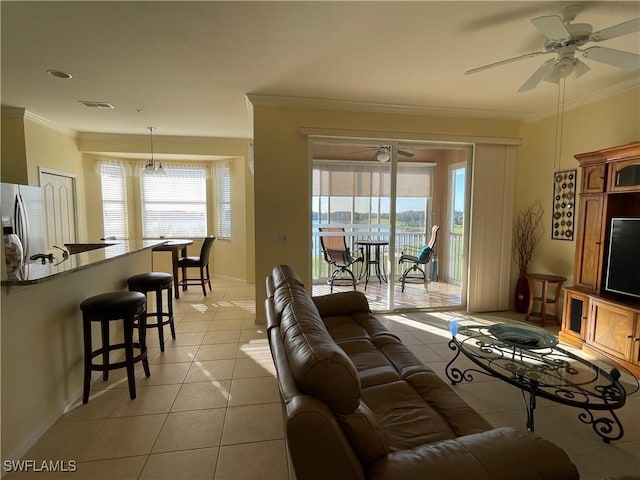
{"type": "Point", "coordinates": [565, 39]}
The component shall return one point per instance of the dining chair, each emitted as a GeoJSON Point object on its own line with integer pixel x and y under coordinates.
{"type": "Point", "coordinates": [201, 262]}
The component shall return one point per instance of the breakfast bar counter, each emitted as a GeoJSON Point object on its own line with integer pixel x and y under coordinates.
{"type": "Point", "coordinates": [94, 254]}
{"type": "Point", "coordinates": [42, 339]}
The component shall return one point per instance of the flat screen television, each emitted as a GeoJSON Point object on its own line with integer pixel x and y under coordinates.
{"type": "Point", "coordinates": [623, 265]}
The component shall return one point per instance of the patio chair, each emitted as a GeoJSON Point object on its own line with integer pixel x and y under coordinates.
{"type": "Point", "coordinates": [337, 255]}
{"type": "Point", "coordinates": [414, 260]}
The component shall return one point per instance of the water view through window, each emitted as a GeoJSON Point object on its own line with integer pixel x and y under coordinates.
{"type": "Point", "coordinates": [356, 197]}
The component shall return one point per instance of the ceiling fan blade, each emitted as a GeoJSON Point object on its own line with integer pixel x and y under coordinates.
{"type": "Point", "coordinates": [404, 153]}
{"type": "Point", "coordinates": [552, 27]}
{"type": "Point", "coordinates": [503, 62]}
{"type": "Point", "coordinates": [579, 68]}
{"type": "Point", "coordinates": [370, 149]}
{"type": "Point", "coordinates": [613, 57]}
{"type": "Point", "coordinates": [545, 69]}
{"type": "Point", "coordinates": [616, 30]}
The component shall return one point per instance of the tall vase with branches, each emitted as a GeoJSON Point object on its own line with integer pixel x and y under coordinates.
{"type": "Point", "coordinates": [527, 232]}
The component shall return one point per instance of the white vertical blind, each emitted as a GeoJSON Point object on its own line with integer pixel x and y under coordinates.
{"type": "Point", "coordinates": [223, 196]}
{"type": "Point", "coordinates": [114, 200]}
{"type": "Point", "coordinates": [494, 169]}
{"type": "Point", "coordinates": [174, 205]}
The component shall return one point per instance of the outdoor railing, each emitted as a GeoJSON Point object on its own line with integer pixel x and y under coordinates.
{"type": "Point", "coordinates": [321, 270]}
{"type": "Point", "coordinates": [456, 257]}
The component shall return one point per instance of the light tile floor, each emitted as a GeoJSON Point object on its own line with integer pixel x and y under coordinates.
{"type": "Point", "coordinates": [210, 409]}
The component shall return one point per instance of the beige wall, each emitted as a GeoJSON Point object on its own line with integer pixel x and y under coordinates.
{"type": "Point", "coordinates": [607, 123]}
{"type": "Point", "coordinates": [229, 257]}
{"type": "Point", "coordinates": [278, 194]}
{"type": "Point", "coordinates": [28, 145]}
{"type": "Point", "coordinates": [13, 162]}
{"type": "Point", "coordinates": [282, 209]}
{"type": "Point", "coordinates": [51, 149]}
{"type": "Point", "coordinates": [282, 174]}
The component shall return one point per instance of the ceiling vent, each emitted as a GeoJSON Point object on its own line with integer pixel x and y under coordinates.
{"type": "Point", "coordinates": [96, 104]}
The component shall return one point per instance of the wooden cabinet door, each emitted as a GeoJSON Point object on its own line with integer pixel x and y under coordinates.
{"type": "Point", "coordinates": [575, 313]}
{"type": "Point", "coordinates": [588, 261]}
{"type": "Point", "coordinates": [611, 328]}
{"type": "Point", "coordinates": [624, 176]}
{"type": "Point", "coordinates": [634, 355]}
{"type": "Point", "coordinates": [593, 178]}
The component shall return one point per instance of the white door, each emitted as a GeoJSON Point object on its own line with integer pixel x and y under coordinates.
{"type": "Point", "coordinates": [59, 197]}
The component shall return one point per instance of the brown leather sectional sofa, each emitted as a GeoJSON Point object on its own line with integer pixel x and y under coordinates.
{"type": "Point", "coordinates": [358, 404]}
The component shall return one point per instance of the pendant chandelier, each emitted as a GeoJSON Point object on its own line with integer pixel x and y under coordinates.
{"type": "Point", "coordinates": [152, 167]}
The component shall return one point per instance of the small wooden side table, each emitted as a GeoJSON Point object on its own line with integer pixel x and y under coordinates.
{"type": "Point", "coordinates": [544, 300]}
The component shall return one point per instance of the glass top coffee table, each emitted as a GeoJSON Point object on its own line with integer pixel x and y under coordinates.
{"type": "Point", "coordinates": [530, 359]}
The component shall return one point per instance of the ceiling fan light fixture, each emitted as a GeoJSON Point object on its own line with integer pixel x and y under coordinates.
{"type": "Point", "coordinates": [564, 39]}
{"type": "Point", "coordinates": [382, 155]}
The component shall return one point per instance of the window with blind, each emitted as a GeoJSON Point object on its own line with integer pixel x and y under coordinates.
{"type": "Point", "coordinates": [223, 196]}
{"type": "Point", "coordinates": [114, 201]}
{"type": "Point", "coordinates": [175, 204]}
{"type": "Point", "coordinates": [358, 193]}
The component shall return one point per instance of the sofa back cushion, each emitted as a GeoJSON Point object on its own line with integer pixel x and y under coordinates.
{"type": "Point", "coordinates": [284, 274]}
{"type": "Point", "coordinates": [284, 282]}
{"type": "Point", "coordinates": [319, 365]}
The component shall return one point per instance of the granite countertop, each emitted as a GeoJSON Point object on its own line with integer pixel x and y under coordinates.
{"type": "Point", "coordinates": [36, 272]}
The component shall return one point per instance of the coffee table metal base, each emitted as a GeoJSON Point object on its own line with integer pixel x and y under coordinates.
{"type": "Point", "coordinates": [607, 398]}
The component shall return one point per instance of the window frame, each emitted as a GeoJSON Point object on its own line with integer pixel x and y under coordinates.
{"type": "Point", "coordinates": [182, 186]}
{"type": "Point", "coordinates": [108, 177]}
{"type": "Point", "coordinates": [223, 200]}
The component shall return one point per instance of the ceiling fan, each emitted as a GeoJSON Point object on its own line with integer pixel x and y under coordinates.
{"type": "Point", "coordinates": [382, 153]}
{"type": "Point", "coordinates": [564, 39]}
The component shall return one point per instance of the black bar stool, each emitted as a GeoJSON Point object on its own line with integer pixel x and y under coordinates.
{"type": "Point", "coordinates": [156, 282]}
{"type": "Point", "coordinates": [104, 308]}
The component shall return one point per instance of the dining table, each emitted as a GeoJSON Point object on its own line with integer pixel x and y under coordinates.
{"type": "Point", "coordinates": [178, 248]}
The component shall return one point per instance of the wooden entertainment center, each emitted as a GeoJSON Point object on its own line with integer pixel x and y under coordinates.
{"type": "Point", "coordinates": [594, 319]}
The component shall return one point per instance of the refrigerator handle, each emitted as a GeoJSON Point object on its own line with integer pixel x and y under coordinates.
{"type": "Point", "coordinates": [22, 225]}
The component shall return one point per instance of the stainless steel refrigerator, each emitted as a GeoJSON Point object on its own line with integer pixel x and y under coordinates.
{"type": "Point", "coordinates": [23, 210]}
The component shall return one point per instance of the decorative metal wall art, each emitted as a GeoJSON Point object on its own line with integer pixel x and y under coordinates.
{"type": "Point", "coordinates": [564, 205]}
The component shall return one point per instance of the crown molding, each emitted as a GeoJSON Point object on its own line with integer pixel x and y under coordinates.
{"type": "Point", "coordinates": [48, 123]}
{"type": "Point", "coordinates": [406, 136]}
{"type": "Point", "coordinates": [121, 137]}
{"type": "Point", "coordinates": [348, 105]}
{"type": "Point", "coordinates": [587, 99]}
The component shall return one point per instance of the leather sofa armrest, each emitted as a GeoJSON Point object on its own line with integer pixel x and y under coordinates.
{"type": "Point", "coordinates": [342, 303]}
{"type": "Point", "coordinates": [319, 448]}
{"type": "Point", "coordinates": [499, 454]}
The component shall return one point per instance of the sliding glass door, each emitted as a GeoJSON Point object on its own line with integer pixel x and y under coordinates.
{"type": "Point", "coordinates": [385, 198]}
{"type": "Point", "coordinates": [414, 219]}
{"type": "Point", "coordinates": [350, 192]}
